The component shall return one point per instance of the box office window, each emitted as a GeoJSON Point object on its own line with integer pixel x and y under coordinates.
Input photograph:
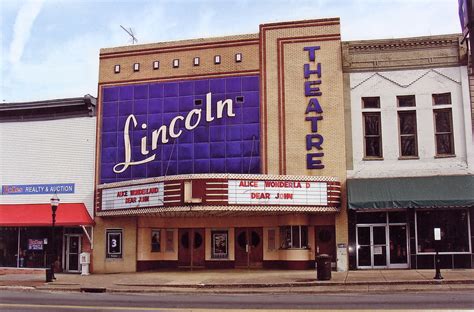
{"type": "Point", "coordinates": [155, 240]}
{"type": "Point", "coordinates": [114, 243]}
{"type": "Point", "coordinates": [294, 236]}
{"type": "Point", "coordinates": [220, 244]}
{"type": "Point", "coordinates": [454, 230]}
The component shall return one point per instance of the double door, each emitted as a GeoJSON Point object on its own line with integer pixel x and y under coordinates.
{"type": "Point", "coordinates": [249, 248]}
{"type": "Point", "coordinates": [191, 251]}
{"type": "Point", "coordinates": [382, 246]}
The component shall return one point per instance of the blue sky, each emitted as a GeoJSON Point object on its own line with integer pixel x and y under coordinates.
{"type": "Point", "coordinates": [50, 48]}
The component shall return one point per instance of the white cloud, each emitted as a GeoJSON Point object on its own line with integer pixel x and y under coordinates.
{"type": "Point", "coordinates": [22, 29]}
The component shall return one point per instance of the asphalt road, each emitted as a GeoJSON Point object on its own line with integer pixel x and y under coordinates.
{"type": "Point", "coordinates": [63, 301]}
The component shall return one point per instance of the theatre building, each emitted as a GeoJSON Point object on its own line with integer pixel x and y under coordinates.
{"type": "Point", "coordinates": [411, 157]}
{"type": "Point", "coordinates": [222, 153]}
{"type": "Point", "coordinates": [46, 148]}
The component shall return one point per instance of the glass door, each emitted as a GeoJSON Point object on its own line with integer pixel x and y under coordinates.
{"type": "Point", "coordinates": [398, 246]}
{"type": "Point", "coordinates": [73, 247]}
{"type": "Point", "coordinates": [371, 246]}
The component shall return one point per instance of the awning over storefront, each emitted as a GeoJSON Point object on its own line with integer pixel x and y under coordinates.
{"type": "Point", "coordinates": [420, 192]}
{"type": "Point", "coordinates": [40, 215]}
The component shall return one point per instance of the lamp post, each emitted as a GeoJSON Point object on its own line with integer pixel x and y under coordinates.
{"type": "Point", "coordinates": [54, 207]}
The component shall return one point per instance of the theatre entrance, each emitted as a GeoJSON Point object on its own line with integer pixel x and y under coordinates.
{"type": "Point", "coordinates": [249, 248]}
{"type": "Point", "coordinates": [191, 251]}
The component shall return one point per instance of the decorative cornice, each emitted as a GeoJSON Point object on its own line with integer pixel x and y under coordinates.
{"type": "Point", "coordinates": [402, 44]}
{"type": "Point", "coordinates": [404, 53]}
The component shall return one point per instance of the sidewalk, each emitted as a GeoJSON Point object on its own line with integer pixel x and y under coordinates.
{"type": "Point", "coordinates": [244, 281]}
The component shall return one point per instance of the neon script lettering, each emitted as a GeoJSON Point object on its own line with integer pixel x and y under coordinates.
{"type": "Point", "coordinates": [165, 132]}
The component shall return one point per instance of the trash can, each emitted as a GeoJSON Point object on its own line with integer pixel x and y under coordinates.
{"type": "Point", "coordinates": [49, 275]}
{"type": "Point", "coordinates": [323, 267]}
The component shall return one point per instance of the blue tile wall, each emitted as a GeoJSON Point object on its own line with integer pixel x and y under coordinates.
{"type": "Point", "coordinates": [227, 145]}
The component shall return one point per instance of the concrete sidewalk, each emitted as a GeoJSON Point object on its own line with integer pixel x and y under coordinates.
{"type": "Point", "coordinates": [241, 281]}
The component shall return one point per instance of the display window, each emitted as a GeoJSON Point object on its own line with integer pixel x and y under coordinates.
{"type": "Point", "coordinates": [454, 230]}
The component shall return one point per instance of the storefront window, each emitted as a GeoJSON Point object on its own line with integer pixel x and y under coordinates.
{"type": "Point", "coordinates": [454, 230]}
{"type": "Point", "coordinates": [32, 251]}
{"type": "Point", "coordinates": [220, 248]}
{"type": "Point", "coordinates": [295, 236]}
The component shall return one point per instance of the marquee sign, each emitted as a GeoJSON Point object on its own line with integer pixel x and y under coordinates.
{"type": "Point", "coordinates": [278, 193]}
{"type": "Point", "coordinates": [138, 196]}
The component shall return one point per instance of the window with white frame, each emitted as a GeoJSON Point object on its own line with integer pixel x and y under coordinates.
{"type": "Point", "coordinates": [443, 124]}
{"type": "Point", "coordinates": [293, 236]}
{"type": "Point", "coordinates": [407, 126]}
{"type": "Point", "coordinates": [372, 127]}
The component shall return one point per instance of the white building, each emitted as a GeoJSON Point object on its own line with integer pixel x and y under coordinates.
{"type": "Point", "coordinates": [412, 161]}
{"type": "Point", "coordinates": [57, 140]}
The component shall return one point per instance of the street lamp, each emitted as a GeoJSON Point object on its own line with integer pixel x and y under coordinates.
{"type": "Point", "coordinates": [54, 207]}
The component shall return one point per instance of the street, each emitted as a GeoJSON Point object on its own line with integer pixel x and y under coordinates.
{"type": "Point", "coordinates": [63, 301]}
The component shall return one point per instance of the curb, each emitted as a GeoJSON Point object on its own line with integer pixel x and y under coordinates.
{"type": "Point", "coordinates": [302, 284]}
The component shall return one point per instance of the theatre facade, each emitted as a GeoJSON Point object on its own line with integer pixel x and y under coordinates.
{"type": "Point", "coordinates": [222, 153]}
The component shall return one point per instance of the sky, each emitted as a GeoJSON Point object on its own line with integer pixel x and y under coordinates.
{"type": "Point", "coordinates": [50, 48]}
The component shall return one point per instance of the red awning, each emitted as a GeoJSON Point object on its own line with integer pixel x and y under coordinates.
{"type": "Point", "coordinates": [40, 215]}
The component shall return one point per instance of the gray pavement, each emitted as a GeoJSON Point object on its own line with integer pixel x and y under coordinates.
{"type": "Point", "coordinates": [245, 281]}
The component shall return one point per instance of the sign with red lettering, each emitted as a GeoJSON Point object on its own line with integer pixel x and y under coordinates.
{"type": "Point", "coordinates": [297, 193]}
{"type": "Point", "coordinates": [137, 196]}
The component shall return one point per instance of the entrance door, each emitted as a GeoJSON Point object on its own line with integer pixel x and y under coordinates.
{"type": "Point", "coordinates": [325, 241]}
{"type": "Point", "coordinates": [249, 247]}
{"type": "Point", "coordinates": [73, 248]}
{"type": "Point", "coordinates": [191, 251]}
{"type": "Point", "coordinates": [398, 246]}
{"type": "Point", "coordinates": [371, 246]}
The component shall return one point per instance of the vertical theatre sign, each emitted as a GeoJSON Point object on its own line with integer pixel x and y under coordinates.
{"type": "Point", "coordinates": [314, 112]}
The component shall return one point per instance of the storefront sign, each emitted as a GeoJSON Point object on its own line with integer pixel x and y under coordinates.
{"type": "Point", "coordinates": [314, 141]}
{"type": "Point", "coordinates": [32, 189]}
{"type": "Point", "coordinates": [138, 196]}
{"type": "Point", "coordinates": [35, 244]}
{"type": "Point", "coordinates": [277, 193]}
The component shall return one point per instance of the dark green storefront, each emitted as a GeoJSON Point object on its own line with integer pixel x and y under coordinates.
{"type": "Point", "coordinates": [392, 221]}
